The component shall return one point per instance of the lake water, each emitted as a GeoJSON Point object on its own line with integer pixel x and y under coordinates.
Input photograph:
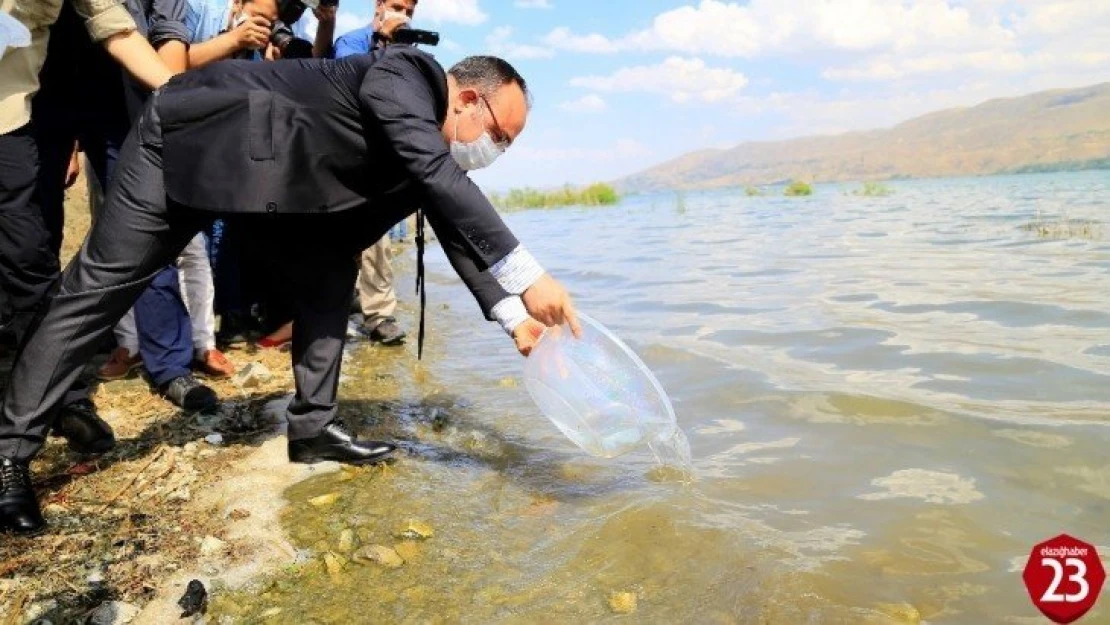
{"type": "Point", "coordinates": [889, 401]}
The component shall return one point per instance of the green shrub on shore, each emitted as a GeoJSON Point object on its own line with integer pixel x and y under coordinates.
{"type": "Point", "coordinates": [798, 188]}
{"type": "Point", "coordinates": [599, 194]}
{"type": "Point", "coordinates": [873, 189]}
{"type": "Point", "coordinates": [754, 192]}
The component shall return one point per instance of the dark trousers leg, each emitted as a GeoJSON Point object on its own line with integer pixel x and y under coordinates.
{"type": "Point", "coordinates": [323, 288]}
{"type": "Point", "coordinates": [28, 266]}
{"type": "Point", "coordinates": [165, 333]}
{"type": "Point", "coordinates": [134, 238]}
{"type": "Point", "coordinates": [161, 319]}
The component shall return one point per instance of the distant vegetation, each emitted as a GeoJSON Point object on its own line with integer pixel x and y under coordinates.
{"type": "Point", "coordinates": [754, 192]}
{"type": "Point", "coordinates": [599, 194]}
{"type": "Point", "coordinates": [1048, 168]}
{"type": "Point", "coordinates": [873, 189]}
{"type": "Point", "coordinates": [1065, 229]}
{"type": "Point", "coordinates": [798, 188]}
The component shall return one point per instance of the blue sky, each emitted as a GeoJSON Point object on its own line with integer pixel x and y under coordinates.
{"type": "Point", "coordinates": [619, 86]}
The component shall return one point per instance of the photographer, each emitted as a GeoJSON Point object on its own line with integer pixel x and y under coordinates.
{"type": "Point", "coordinates": [255, 29]}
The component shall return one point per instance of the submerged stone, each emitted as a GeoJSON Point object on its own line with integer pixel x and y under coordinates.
{"type": "Point", "coordinates": [380, 554]}
{"type": "Point", "coordinates": [415, 530]}
{"type": "Point", "coordinates": [334, 564]}
{"type": "Point", "coordinates": [900, 612]}
{"type": "Point", "coordinates": [324, 500]}
{"type": "Point", "coordinates": [346, 541]}
{"type": "Point", "coordinates": [408, 550]}
{"type": "Point", "coordinates": [622, 602]}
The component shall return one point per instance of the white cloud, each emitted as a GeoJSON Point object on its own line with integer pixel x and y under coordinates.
{"type": "Point", "coordinates": [680, 79]}
{"type": "Point", "coordinates": [499, 42]}
{"type": "Point", "coordinates": [466, 12]}
{"type": "Point", "coordinates": [533, 4]}
{"type": "Point", "coordinates": [591, 103]}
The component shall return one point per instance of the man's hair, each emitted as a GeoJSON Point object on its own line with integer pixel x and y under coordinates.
{"type": "Point", "coordinates": [487, 74]}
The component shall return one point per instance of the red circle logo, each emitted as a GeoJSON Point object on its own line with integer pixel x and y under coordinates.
{"type": "Point", "coordinates": [1064, 577]}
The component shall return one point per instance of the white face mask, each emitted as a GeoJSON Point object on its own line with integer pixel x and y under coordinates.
{"type": "Point", "coordinates": [388, 15]}
{"type": "Point", "coordinates": [477, 154]}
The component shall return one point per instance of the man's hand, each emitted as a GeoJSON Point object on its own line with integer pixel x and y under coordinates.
{"type": "Point", "coordinates": [73, 170]}
{"type": "Point", "coordinates": [390, 25]}
{"type": "Point", "coordinates": [252, 34]}
{"type": "Point", "coordinates": [325, 13]}
{"type": "Point", "coordinates": [548, 302]}
{"type": "Point", "coordinates": [527, 334]}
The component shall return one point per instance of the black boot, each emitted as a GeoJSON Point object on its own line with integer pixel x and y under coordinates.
{"type": "Point", "coordinates": [83, 429]}
{"type": "Point", "coordinates": [19, 510]}
{"type": "Point", "coordinates": [335, 443]}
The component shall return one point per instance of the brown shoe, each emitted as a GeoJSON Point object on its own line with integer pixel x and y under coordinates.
{"type": "Point", "coordinates": [214, 364]}
{"type": "Point", "coordinates": [119, 365]}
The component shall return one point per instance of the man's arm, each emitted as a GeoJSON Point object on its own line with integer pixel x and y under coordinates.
{"type": "Point", "coordinates": [253, 33]}
{"type": "Point", "coordinates": [496, 303]}
{"type": "Point", "coordinates": [325, 31]}
{"type": "Point", "coordinates": [168, 33]}
{"type": "Point", "coordinates": [109, 24]}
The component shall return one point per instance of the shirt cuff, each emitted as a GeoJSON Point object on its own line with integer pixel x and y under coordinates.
{"type": "Point", "coordinates": [111, 21]}
{"type": "Point", "coordinates": [510, 313]}
{"type": "Point", "coordinates": [517, 271]}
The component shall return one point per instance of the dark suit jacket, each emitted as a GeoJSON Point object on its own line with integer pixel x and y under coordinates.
{"type": "Point", "coordinates": [322, 136]}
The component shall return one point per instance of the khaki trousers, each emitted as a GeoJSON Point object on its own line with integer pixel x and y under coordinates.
{"type": "Point", "coordinates": [376, 296]}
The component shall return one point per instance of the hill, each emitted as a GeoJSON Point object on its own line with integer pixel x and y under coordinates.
{"type": "Point", "coordinates": [1048, 130]}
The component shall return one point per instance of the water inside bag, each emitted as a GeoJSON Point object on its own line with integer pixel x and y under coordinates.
{"type": "Point", "coordinates": [602, 396]}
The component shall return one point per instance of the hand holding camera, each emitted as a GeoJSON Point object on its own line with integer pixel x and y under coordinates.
{"type": "Point", "coordinates": [252, 32]}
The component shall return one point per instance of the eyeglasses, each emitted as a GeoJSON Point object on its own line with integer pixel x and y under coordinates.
{"type": "Point", "coordinates": [500, 137]}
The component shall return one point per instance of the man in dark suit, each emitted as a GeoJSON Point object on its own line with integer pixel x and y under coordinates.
{"type": "Point", "coordinates": [322, 157]}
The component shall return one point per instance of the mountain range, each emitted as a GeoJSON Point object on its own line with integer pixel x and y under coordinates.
{"type": "Point", "coordinates": [1048, 130]}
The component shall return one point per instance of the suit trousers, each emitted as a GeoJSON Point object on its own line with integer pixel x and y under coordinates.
{"type": "Point", "coordinates": [136, 236]}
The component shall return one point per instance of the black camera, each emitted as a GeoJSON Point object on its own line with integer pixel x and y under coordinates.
{"type": "Point", "coordinates": [414, 36]}
{"type": "Point", "coordinates": [291, 46]}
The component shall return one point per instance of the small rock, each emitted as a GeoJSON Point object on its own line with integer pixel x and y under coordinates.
{"type": "Point", "coordinates": [181, 494]}
{"type": "Point", "coordinates": [214, 439]}
{"type": "Point", "coordinates": [113, 613]}
{"type": "Point", "coordinates": [380, 554]}
{"type": "Point", "coordinates": [238, 514]}
{"type": "Point", "coordinates": [900, 612]}
{"type": "Point", "coordinates": [96, 577]}
{"type": "Point", "coordinates": [271, 612]}
{"type": "Point", "coordinates": [415, 530]}
{"type": "Point", "coordinates": [334, 564]}
{"type": "Point", "coordinates": [211, 546]}
{"type": "Point", "coordinates": [195, 599]}
{"type": "Point", "coordinates": [346, 541]}
{"type": "Point", "coordinates": [38, 609]}
{"type": "Point", "coordinates": [324, 500]}
{"type": "Point", "coordinates": [622, 602]}
{"type": "Point", "coordinates": [253, 375]}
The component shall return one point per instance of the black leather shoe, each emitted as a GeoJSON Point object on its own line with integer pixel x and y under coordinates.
{"type": "Point", "coordinates": [187, 393]}
{"type": "Point", "coordinates": [19, 510]}
{"type": "Point", "coordinates": [83, 429]}
{"type": "Point", "coordinates": [335, 443]}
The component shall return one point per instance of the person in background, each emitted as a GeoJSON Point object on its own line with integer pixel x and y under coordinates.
{"type": "Point", "coordinates": [377, 298]}
{"type": "Point", "coordinates": [29, 238]}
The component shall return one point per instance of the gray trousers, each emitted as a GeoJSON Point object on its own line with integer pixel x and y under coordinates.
{"type": "Point", "coordinates": [139, 233]}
